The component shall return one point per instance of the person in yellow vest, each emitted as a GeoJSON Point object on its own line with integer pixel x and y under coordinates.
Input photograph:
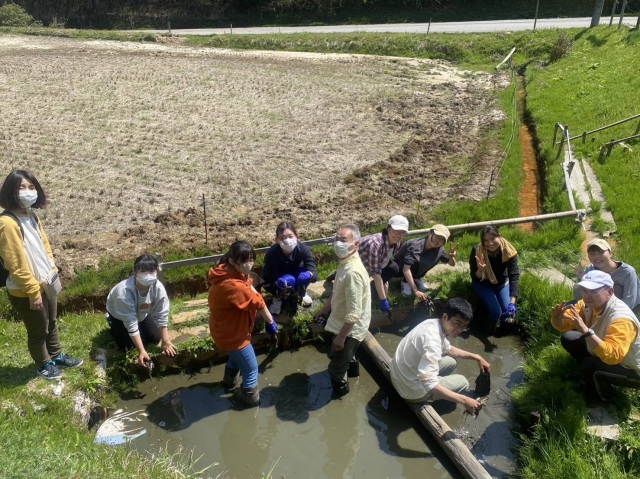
{"type": "Point", "coordinates": [601, 332]}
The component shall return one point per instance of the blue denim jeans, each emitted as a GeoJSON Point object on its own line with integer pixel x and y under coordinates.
{"type": "Point", "coordinates": [245, 360]}
{"type": "Point", "coordinates": [495, 299]}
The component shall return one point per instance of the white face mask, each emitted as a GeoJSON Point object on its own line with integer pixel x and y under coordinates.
{"type": "Point", "coordinates": [288, 244]}
{"type": "Point", "coordinates": [27, 198]}
{"type": "Point", "coordinates": [146, 279]}
{"type": "Point", "coordinates": [247, 266]}
{"type": "Point", "coordinates": [341, 249]}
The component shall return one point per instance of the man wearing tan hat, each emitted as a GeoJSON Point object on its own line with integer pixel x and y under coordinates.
{"type": "Point", "coordinates": [416, 257]}
{"type": "Point", "coordinates": [377, 251]}
{"type": "Point", "coordinates": [626, 285]}
{"type": "Point", "coordinates": [601, 333]}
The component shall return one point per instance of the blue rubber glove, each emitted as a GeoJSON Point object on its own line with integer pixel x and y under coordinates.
{"type": "Point", "coordinates": [304, 277]}
{"type": "Point", "coordinates": [511, 309]}
{"type": "Point", "coordinates": [271, 328]}
{"type": "Point", "coordinates": [385, 307]}
{"type": "Point", "coordinates": [286, 281]}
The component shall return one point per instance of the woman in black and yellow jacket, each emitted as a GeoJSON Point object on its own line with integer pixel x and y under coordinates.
{"type": "Point", "coordinates": [33, 284]}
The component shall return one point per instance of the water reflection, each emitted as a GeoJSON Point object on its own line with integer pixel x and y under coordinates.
{"type": "Point", "coordinates": [181, 407]}
{"type": "Point", "coordinates": [369, 433]}
{"type": "Point", "coordinates": [388, 431]}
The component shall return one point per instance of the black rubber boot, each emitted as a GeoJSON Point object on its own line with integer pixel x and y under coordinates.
{"type": "Point", "coordinates": [339, 390]}
{"type": "Point", "coordinates": [249, 396]}
{"type": "Point", "coordinates": [354, 368]}
{"type": "Point", "coordinates": [230, 378]}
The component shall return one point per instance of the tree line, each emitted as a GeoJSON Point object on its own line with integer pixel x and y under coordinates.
{"type": "Point", "coordinates": [125, 14]}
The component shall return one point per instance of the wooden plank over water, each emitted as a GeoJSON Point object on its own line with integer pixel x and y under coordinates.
{"type": "Point", "coordinates": [453, 446]}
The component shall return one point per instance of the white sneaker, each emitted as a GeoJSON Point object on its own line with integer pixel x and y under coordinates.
{"type": "Point", "coordinates": [276, 306]}
{"type": "Point", "coordinates": [307, 301]}
{"type": "Point", "coordinates": [421, 286]}
{"type": "Point", "coordinates": [406, 289]}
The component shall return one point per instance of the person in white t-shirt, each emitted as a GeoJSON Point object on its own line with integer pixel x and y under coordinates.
{"type": "Point", "coordinates": [423, 366]}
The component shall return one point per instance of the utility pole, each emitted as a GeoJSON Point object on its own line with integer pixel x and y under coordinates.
{"type": "Point", "coordinates": [597, 13]}
{"type": "Point", "coordinates": [536, 15]}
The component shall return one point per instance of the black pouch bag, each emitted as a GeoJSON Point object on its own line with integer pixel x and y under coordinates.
{"type": "Point", "coordinates": [483, 384]}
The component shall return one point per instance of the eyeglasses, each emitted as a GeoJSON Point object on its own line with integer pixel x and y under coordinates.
{"type": "Point", "coordinates": [594, 292]}
{"type": "Point", "coordinates": [460, 326]}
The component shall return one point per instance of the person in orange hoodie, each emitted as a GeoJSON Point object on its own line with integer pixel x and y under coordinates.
{"type": "Point", "coordinates": [234, 304]}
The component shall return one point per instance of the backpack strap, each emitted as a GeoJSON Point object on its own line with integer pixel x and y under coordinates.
{"type": "Point", "coordinates": [15, 218]}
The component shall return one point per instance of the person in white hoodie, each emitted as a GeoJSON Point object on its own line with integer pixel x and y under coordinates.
{"type": "Point", "coordinates": [138, 310]}
{"type": "Point", "coordinates": [423, 366]}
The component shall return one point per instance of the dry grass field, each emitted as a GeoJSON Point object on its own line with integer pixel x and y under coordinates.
{"type": "Point", "coordinates": [126, 139]}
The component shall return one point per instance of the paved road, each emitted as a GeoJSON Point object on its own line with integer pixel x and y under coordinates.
{"type": "Point", "coordinates": [445, 27]}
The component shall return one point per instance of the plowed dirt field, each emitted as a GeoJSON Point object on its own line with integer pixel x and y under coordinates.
{"type": "Point", "coordinates": [128, 138]}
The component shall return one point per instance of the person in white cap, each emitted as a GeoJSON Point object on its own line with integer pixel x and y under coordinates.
{"type": "Point", "coordinates": [417, 256]}
{"type": "Point", "coordinates": [626, 284]}
{"type": "Point", "coordinates": [377, 252]}
{"type": "Point", "coordinates": [601, 332]}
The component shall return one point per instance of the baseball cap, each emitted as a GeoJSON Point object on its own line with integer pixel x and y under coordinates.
{"type": "Point", "coordinates": [441, 230]}
{"type": "Point", "coordinates": [596, 279]}
{"type": "Point", "coordinates": [399, 223]}
{"type": "Point", "coordinates": [600, 243]}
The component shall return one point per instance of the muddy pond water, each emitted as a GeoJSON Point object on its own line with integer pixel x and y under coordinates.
{"type": "Point", "coordinates": [301, 433]}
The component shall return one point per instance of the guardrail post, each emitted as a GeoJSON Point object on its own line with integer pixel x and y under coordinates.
{"type": "Point", "coordinates": [160, 260]}
{"type": "Point", "coordinates": [562, 140]}
{"type": "Point", "coordinates": [613, 11]}
{"type": "Point", "coordinates": [638, 127]}
{"type": "Point", "coordinates": [555, 133]}
{"type": "Point", "coordinates": [624, 5]}
{"type": "Point", "coordinates": [610, 147]}
{"type": "Point", "coordinates": [603, 148]}
{"type": "Point", "coordinates": [584, 137]}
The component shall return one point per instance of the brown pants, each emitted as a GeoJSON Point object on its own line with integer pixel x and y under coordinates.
{"type": "Point", "coordinates": [42, 328]}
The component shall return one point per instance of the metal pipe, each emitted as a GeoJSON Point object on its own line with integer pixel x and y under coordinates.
{"type": "Point", "coordinates": [555, 132]}
{"type": "Point", "coordinates": [567, 166]}
{"type": "Point", "coordinates": [604, 127]}
{"type": "Point", "coordinates": [506, 58]}
{"type": "Point", "coordinates": [578, 214]}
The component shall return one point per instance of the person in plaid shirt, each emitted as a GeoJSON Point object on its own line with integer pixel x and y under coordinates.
{"type": "Point", "coordinates": [377, 251]}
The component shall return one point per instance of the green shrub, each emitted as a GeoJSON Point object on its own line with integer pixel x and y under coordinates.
{"type": "Point", "coordinates": [561, 48]}
{"type": "Point", "coordinates": [12, 15]}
